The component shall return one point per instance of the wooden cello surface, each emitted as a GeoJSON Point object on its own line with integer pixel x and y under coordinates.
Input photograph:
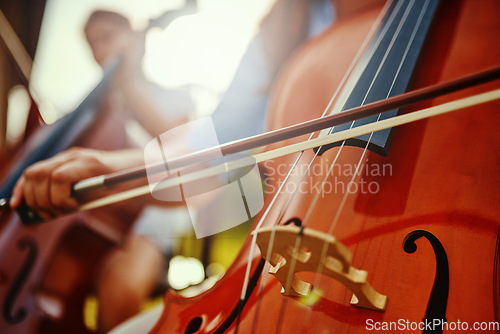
{"type": "Point", "coordinates": [422, 221]}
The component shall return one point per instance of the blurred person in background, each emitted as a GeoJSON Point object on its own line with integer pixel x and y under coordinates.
{"type": "Point", "coordinates": [129, 274]}
{"type": "Point", "coordinates": [157, 109]}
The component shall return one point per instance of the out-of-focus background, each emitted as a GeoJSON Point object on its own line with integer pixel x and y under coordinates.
{"type": "Point", "coordinates": [201, 50]}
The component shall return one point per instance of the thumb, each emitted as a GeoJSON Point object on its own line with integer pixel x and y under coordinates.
{"type": "Point", "coordinates": [17, 194]}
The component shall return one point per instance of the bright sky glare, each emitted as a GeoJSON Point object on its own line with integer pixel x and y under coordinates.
{"type": "Point", "coordinates": [201, 50]}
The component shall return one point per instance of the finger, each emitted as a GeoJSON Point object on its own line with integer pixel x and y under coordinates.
{"type": "Point", "coordinates": [35, 181]}
{"type": "Point", "coordinates": [62, 180]}
{"type": "Point", "coordinates": [28, 193]}
{"type": "Point", "coordinates": [17, 193]}
{"type": "Point", "coordinates": [31, 201]}
{"type": "Point", "coordinates": [41, 193]}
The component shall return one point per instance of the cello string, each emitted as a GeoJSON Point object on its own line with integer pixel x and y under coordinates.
{"type": "Point", "coordinates": [309, 212]}
{"type": "Point", "coordinates": [344, 86]}
{"type": "Point", "coordinates": [315, 200]}
{"type": "Point", "coordinates": [367, 52]}
{"type": "Point", "coordinates": [291, 270]}
{"type": "Point", "coordinates": [336, 109]}
{"type": "Point", "coordinates": [360, 162]}
{"type": "Point", "coordinates": [349, 71]}
{"type": "Point", "coordinates": [348, 87]}
{"type": "Point", "coordinates": [410, 41]}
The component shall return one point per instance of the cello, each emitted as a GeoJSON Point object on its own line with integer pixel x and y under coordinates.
{"type": "Point", "coordinates": [45, 273]}
{"type": "Point", "coordinates": [417, 216]}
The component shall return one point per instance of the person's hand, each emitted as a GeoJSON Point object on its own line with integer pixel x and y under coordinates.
{"type": "Point", "coordinates": [46, 186]}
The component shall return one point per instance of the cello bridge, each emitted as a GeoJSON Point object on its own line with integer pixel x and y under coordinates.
{"type": "Point", "coordinates": [299, 250]}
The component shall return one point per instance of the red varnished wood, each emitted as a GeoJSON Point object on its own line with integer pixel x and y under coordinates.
{"type": "Point", "coordinates": [442, 178]}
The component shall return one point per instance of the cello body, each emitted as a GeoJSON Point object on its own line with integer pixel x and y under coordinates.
{"type": "Point", "coordinates": [48, 270]}
{"type": "Point", "coordinates": [423, 222]}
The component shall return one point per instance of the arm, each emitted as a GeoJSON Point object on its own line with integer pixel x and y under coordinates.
{"type": "Point", "coordinates": [157, 109]}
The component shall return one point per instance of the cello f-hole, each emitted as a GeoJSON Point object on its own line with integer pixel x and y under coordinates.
{"type": "Point", "coordinates": [194, 325]}
{"type": "Point", "coordinates": [8, 313]}
{"type": "Point", "coordinates": [438, 300]}
{"type": "Point", "coordinates": [295, 221]}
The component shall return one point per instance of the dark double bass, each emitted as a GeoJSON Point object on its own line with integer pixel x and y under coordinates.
{"type": "Point", "coordinates": [45, 273]}
{"type": "Point", "coordinates": [405, 221]}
